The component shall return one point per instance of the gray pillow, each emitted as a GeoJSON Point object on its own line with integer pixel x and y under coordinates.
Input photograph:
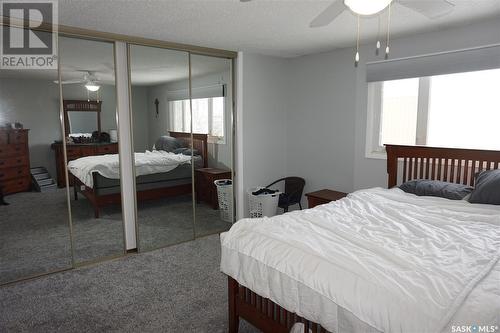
{"type": "Point", "coordinates": [487, 190]}
{"type": "Point", "coordinates": [435, 188]}
{"type": "Point", "coordinates": [167, 143]}
{"type": "Point", "coordinates": [181, 150]}
{"type": "Point", "coordinates": [188, 152]}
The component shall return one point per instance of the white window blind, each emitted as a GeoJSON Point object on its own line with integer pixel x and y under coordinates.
{"type": "Point", "coordinates": [475, 59]}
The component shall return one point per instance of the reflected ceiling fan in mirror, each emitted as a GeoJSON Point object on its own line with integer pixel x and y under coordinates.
{"type": "Point", "coordinates": [431, 9]}
{"type": "Point", "coordinates": [89, 80]}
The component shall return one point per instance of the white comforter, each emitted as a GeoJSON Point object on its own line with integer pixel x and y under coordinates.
{"type": "Point", "coordinates": [398, 262]}
{"type": "Point", "coordinates": [108, 166]}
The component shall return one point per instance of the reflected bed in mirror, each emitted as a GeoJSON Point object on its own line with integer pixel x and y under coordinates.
{"type": "Point", "coordinates": [159, 173]}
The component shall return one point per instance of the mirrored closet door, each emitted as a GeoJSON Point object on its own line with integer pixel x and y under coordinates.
{"type": "Point", "coordinates": [211, 93]}
{"type": "Point", "coordinates": [91, 146]}
{"type": "Point", "coordinates": [34, 223]}
{"type": "Point", "coordinates": [162, 145]}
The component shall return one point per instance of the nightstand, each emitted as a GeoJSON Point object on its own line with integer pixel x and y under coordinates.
{"type": "Point", "coordinates": [205, 188]}
{"type": "Point", "coordinates": [323, 196]}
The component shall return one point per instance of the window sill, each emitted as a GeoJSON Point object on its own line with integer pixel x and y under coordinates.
{"type": "Point", "coordinates": [376, 155]}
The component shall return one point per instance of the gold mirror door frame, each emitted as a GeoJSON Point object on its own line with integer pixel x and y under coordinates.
{"type": "Point", "coordinates": [88, 85]}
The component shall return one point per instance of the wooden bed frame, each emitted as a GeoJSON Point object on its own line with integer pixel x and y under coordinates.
{"type": "Point", "coordinates": [199, 142]}
{"type": "Point", "coordinates": [416, 162]}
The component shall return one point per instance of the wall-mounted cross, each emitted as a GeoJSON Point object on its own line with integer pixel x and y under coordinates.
{"type": "Point", "coordinates": [157, 102]}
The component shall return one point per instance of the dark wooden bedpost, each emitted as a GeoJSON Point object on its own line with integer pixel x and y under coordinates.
{"type": "Point", "coordinates": [392, 167]}
{"type": "Point", "coordinates": [232, 291]}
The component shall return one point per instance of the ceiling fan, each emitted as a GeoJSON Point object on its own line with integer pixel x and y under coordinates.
{"type": "Point", "coordinates": [89, 79]}
{"type": "Point", "coordinates": [431, 9]}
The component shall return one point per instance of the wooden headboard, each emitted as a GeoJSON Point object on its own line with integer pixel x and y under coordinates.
{"type": "Point", "coordinates": [200, 143]}
{"type": "Point", "coordinates": [451, 165]}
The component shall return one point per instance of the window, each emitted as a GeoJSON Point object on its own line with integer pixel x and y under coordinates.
{"type": "Point", "coordinates": [208, 117]}
{"type": "Point", "coordinates": [454, 110]}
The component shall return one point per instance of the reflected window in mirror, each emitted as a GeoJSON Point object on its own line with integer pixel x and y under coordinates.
{"type": "Point", "coordinates": [208, 117]}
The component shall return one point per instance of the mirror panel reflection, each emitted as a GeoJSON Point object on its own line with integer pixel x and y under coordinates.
{"type": "Point", "coordinates": [163, 158]}
{"type": "Point", "coordinates": [212, 116]}
{"type": "Point", "coordinates": [93, 169]}
{"type": "Point", "coordinates": [81, 122]}
{"type": "Point", "coordinates": [34, 223]}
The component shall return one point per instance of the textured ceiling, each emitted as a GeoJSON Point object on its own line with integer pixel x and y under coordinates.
{"type": "Point", "coordinates": [273, 27]}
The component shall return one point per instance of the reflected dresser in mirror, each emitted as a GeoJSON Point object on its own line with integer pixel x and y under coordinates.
{"type": "Point", "coordinates": [14, 161]}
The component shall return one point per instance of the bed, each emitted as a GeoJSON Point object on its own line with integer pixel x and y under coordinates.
{"type": "Point", "coordinates": [152, 181]}
{"type": "Point", "coordinates": [378, 261]}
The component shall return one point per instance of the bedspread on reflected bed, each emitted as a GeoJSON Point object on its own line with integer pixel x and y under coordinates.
{"type": "Point", "coordinates": [397, 262]}
{"type": "Point", "coordinates": [150, 162]}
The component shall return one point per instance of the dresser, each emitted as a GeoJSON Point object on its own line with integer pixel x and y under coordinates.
{"type": "Point", "coordinates": [75, 151]}
{"type": "Point", "coordinates": [14, 161]}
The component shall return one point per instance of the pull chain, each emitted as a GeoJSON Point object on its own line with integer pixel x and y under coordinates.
{"type": "Point", "coordinates": [377, 50]}
{"type": "Point", "coordinates": [387, 48]}
{"type": "Point", "coordinates": [356, 57]}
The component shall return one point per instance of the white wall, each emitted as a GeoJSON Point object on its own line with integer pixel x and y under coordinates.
{"type": "Point", "coordinates": [263, 91]}
{"type": "Point", "coordinates": [320, 126]}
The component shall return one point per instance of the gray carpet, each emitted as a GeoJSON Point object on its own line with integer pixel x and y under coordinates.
{"type": "Point", "coordinates": [175, 289]}
{"type": "Point", "coordinates": [34, 232]}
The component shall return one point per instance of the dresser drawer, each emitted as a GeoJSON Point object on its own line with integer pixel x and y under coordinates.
{"type": "Point", "coordinates": [73, 152]}
{"type": "Point", "coordinates": [16, 137]}
{"type": "Point", "coordinates": [88, 151]}
{"type": "Point", "coordinates": [16, 185]}
{"type": "Point", "coordinates": [107, 149]}
{"type": "Point", "coordinates": [13, 150]}
{"type": "Point", "coordinates": [4, 137]}
{"type": "Point", "coordinates": [9, 162]}
{"type": "Point", "coordinates": [12, 173]}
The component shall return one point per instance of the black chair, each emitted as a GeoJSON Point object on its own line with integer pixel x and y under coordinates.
{"type": "Point", "coordinates": [293, 192]}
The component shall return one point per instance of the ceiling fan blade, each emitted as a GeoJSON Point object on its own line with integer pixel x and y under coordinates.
{"type": "Point", "coordinates": [430, 9]}
{"type": "Point", "coordinates": [70, 81]}
{"type": "Point", "coordinates": [328, 15]}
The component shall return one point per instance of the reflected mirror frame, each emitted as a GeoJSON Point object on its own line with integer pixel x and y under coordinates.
{"type": "Point", "coordinates": [76, 264]}
{"type": "Point", "coordinates": [68, 206]}
{"type": "Point", "coordinates": [188, 54]}
{"type": "Point", "coordinates": [232, 113]}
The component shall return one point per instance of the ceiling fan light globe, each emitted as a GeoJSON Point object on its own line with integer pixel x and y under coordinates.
{"type": "Point", "coordinates": [92, 87]}
{"type": "Point", "coordinates": [367, 7]}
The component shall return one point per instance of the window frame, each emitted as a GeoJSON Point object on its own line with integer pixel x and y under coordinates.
{"type": "Point", "coordinates": [211, 138]}
{"type": "Point", "coordinates": [373, 147]}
